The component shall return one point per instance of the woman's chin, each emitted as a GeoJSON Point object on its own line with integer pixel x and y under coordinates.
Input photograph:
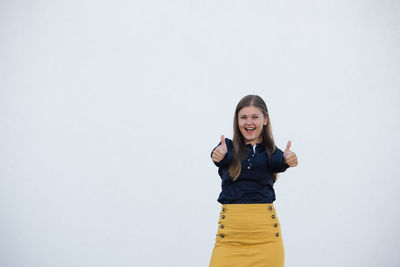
{"type": "Point", "coordinates": [250, 138]}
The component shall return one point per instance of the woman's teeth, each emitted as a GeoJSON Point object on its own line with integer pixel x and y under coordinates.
{"type": "Point", "coordinates": [249, 130]}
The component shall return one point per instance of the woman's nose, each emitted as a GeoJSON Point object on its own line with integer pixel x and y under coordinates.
{"type": "Point", "coordinates": [249, 122]}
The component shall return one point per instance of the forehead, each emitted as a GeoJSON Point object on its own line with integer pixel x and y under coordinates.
{"type": "Point", "coordinates": [251, 110]}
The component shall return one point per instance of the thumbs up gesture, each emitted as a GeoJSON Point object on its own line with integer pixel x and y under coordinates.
{"type": "Point", "coordinates": [220, 151]}
{"type": "Point", "coordinates": [289, 157]}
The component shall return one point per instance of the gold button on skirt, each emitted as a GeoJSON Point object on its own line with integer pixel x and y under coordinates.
{"type": "Point", "coordinates": [248, 235]}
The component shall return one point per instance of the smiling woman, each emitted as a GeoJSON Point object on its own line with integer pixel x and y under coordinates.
{"type": "Point", "coordinates": [249, 232]}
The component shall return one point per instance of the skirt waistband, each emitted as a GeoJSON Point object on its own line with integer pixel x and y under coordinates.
{"type": "Point", "coordinates": [243, 208]}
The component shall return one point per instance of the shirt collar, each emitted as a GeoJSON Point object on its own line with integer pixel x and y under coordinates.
{"type": "Point", "coordinates": [254, 146]}
{"type": "Point", "coordinates": [248, 144]}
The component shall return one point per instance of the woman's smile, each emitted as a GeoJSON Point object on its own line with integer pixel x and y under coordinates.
{"type": "Point", "coordinates": [249, 130]}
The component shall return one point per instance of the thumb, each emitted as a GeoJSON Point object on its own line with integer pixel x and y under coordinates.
{"type": "Point", "coordinates": [288, 147]}
{"type": "Point", "coordinates": [223, 141]}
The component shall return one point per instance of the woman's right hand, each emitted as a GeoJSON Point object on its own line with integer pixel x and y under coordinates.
{"type": "Point", "coordinates": [220, 151]}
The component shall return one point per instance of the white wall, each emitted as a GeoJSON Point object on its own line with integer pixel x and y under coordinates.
{"type": "Point", "coordinates": [109, 111]}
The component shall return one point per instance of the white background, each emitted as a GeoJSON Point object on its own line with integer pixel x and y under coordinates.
{"type": "Point", "coordinates": [109, 111]}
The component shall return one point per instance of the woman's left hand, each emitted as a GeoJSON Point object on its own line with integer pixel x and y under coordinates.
{"type": "Point", "coordinates": [289, 157]}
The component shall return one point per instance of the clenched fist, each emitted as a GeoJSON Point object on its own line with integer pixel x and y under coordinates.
{"type": "Point", "coordinates": [220, 151]}
{"type": "Point", "coordinates": [290, 157]}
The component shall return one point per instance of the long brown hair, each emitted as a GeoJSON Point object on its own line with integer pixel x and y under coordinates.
{"type": "Point", "coordinates": [239, 147]}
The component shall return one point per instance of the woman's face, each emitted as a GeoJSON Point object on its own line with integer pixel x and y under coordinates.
{"type": "Point", "coordinates": [251, 121]}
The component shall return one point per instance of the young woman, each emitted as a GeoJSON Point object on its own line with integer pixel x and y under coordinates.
{"type": "Point", "coordinates": [249, 233]}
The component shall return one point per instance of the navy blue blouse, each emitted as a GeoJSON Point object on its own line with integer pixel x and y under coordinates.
{"type": "Point", "coordinates": [255, 183]}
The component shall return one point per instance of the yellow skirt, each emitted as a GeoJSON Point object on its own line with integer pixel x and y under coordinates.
{"type": "Point", "coordinates": [249, 235]}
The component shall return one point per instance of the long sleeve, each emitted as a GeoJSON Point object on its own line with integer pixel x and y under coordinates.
{"type": "Point", "coordinates": [277, 162]}
{"type": "Point", "coordinates": [228, 157]}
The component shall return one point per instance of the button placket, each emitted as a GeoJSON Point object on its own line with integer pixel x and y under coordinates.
{"type": "Point", "coordinates": [224, 209]}
{"type": "Point", "coordinates": [249, 160]}
{"type": "Point", "coordinates": [273, 216]}
{"type": "Point", "coordinates": [275, 224]}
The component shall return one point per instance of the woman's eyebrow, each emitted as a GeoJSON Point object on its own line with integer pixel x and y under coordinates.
{"type": "Point", "coordinates": [250, 115]}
